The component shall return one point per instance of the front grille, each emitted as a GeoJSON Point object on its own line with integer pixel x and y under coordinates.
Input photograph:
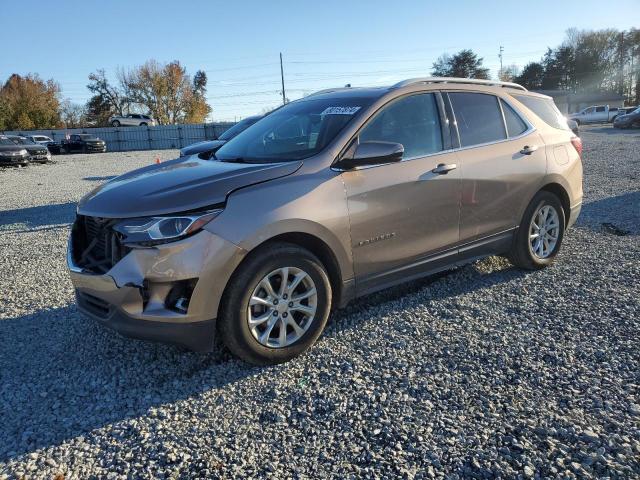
{"type": "Point", "coordinates": [94, 305]}
{"type": "Point", "coordinates": [96, 247]}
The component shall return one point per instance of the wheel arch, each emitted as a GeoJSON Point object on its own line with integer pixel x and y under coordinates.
{"type": "Point", "coordinates": [562, 194]}
{"type": "Point", "coordinates": [317, 247]}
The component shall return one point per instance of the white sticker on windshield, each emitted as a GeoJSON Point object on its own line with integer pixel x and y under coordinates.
{"type": "Point", "coordinates": [340, 110]}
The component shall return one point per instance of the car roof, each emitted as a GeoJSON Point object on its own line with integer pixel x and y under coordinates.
{"type": "Point", "coordinates": [426, 83]}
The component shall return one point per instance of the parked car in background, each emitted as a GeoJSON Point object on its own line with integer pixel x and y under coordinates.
{"type": "Point", "coordinates": [12, 154]}
{"type": "Point", "coordinates": [54, 148]}
{"type": "Point", "coordinates": [41, 139]}
{"type": "Point", "coordinates": [83, 142]}
{"type": "Point", "coordinates": [37, 153]}
{"type": "Point", "coordinates": [630, 120]}
{"type": "Point", "coordinates": [595, 114]}
{"type": "Point", "coordinates": [132, 120]}
{"type": "Point", "coordinates": [331, 197]}
{"type": "Point", "coordinates": [626, 110]}
{"type": "Point", "coordinates": [208, 147]}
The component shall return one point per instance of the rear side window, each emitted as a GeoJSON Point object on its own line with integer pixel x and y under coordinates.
{"type": "Point", "coordinates": [412, 121]}
{"type": "Point", "coordinates": [515, 125]}
{"type": "Point", "coordinates": [600, 109]}
{"type": "Point", "coordinates": [545, 109]}
{"type": "Point", "coordinates": [478, 117]}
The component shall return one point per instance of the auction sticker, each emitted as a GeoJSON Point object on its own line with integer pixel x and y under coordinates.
{"type": "Point", "coordinates": [340, 110]}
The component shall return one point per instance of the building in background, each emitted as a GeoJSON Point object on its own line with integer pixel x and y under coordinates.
{"type": "Point", "coordinates": [569, 102]}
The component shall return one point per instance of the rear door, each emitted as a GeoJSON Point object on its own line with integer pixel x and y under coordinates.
{"type": "Point", "coordinates": [403, 214]}
{"type": "Point", "coordinates": [601, 114]}
{"type": "Point", "coordinates": [502, 160]}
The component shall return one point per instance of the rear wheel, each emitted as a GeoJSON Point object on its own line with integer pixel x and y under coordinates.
{"type": "Point", "coordinates": [115, 123]}
{"type": "Point", "coordinates": [276, 305]}
{"type": "Point", "coordinates": [143, 124]}
{"type": "Point", "coordinates": [540, 233]}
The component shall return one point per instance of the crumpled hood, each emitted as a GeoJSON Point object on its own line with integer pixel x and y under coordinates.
{"type": "Point", "coordinates": [176, 186]}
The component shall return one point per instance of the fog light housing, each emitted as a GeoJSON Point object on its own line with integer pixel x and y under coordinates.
{"type": "Point", "coordinates": [179, 296]}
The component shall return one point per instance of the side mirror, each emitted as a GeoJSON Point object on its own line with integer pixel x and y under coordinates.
{"type": "Point", "coordinates": [373, 153]}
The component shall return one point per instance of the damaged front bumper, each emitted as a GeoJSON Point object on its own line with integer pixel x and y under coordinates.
{"type": "Point", "coordinates": [169, 293]}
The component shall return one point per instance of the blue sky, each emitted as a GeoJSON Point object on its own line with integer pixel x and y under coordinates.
{"type": "Point", "coordinates": [324, 44]}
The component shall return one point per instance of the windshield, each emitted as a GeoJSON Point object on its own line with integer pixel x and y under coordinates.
{"type": "Point", "coordinates": [296, 131]}
{"type": "Point", "coordinates": [241, 126]}
{"type": "Point", "coordinates": [6, 141]}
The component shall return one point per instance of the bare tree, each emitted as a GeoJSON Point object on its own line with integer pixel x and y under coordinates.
{"type": "Point", "coordinates": [166, 91]}
{"type": "Point", "coordinates": [508, 73]}
{"type": "Point", "coordinates": [73, 115]}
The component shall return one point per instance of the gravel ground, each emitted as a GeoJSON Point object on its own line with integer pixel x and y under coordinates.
{"type": "Point", "coordinates": [486, 371]}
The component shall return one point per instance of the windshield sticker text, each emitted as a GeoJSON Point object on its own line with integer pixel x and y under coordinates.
{"type": "Point", "coordinates": [340, 110]}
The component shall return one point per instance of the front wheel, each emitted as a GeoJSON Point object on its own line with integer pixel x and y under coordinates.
{"type": "Point", "coordinates": [276, 305]}
{"type": "Point", "coordinates": [539, 236]}
{"type": "Point", "coordinates": [115, 123]}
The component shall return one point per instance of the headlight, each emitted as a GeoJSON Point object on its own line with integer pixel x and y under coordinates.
{"type": "Point", "coordinates": [156, 230]}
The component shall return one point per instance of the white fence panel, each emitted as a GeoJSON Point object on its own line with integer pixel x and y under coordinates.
{"type": "Point", "coordinates": [122, 139]}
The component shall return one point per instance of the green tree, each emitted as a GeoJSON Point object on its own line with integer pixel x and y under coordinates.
{"type": "Point", "coordinates": [107, 99]}
{"type": "Point", "coordinates": [532, 76]}
{"type": "Point", "coordinates": [464, 64]}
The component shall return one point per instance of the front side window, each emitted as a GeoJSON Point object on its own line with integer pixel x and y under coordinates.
{"type": "Point", "coordinates": [412, 121]}
{"type": "Point", "coordinates": [600, 109]}
{"type": "Point", "coordinates": [515, 125]}
{"type": "Point", "coordinates": [298, 130]}
{"type": "Point", "coordinates": [478, 117]}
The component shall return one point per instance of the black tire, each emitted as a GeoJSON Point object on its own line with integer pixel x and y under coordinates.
{"type": "Point", "coordinates": [143, 124]}
{"type": "Point", "coordinates": [233, 324]}
{"type": "Point", "coordinates": [578, 122]}
{"type": "Point", "coordinates": [115, 123]}
{"type": "Point", "coordinates": [521, 253]}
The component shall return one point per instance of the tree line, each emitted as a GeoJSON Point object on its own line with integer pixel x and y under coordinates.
{"type": "Point", "coordinates": [588, 61]}
{"type": "Point", "coordinates": [164, 91]}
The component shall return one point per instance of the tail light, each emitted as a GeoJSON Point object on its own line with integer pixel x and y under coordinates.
{"type": "Point", "coordinates": [577, 144]}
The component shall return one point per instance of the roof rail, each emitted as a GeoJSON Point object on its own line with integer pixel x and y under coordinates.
{"type": "Point", "coordinates": [472, 81]}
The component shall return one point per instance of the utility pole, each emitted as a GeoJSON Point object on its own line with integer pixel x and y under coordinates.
{"type": "Point", "coordinates": [621, 64]}
{"type": "Point", "coordinates": [500, 56]}
{"type": "Point", "coordinates": [284, 98]}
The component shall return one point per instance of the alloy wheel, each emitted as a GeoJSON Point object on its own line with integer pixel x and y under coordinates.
{"type": "Point", "coordinates": [282, 307]}
{"type": "Point", "coordinates": [544, 231]}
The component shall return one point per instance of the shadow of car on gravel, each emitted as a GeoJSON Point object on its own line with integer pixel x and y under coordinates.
{"type": "Point", "coordinates": [33, 218]}
{"type": "Point", "coordinates": [620, 213]}
{"type": "Point", "coordinates": [611, 130]}
{"type": "Point", "coordinates": [79, 376]}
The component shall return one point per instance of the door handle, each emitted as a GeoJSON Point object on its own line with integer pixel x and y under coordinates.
{"type": "Point", "coordinates": [443, 168]}
{"type": "Point", "coordinates": [527, 150]}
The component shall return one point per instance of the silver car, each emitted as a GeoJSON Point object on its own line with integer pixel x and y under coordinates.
{"type": "Point", "coordinates": [329, 198]}
{"type": "Point", "coordinates": [132, 120]}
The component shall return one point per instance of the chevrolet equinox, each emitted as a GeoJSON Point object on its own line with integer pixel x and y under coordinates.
{"type": "Point", "coordinates": [330, 197]}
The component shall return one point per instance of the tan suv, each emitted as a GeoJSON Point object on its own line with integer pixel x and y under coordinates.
{"type": "Point", "coordinates": [333, 196]}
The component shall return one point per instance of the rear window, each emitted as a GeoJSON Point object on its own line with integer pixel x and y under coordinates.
{"type": "Point", "coordinates": [478, 117]}
{"type": "Point", "coordinates": [545, 109]}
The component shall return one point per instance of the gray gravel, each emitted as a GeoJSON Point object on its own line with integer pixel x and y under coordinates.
{"type": "Point", "coordinates": [486, 371]}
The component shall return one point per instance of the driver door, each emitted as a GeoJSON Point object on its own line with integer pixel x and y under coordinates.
{"type": "Point", "coordinates": [404, 216]}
